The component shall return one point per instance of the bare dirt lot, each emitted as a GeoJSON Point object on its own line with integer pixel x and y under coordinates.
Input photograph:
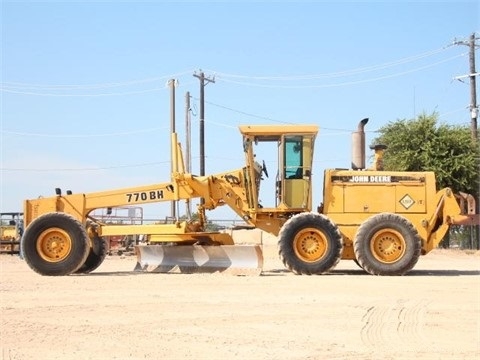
{"type": "Point", "coordinates": [115, 313]}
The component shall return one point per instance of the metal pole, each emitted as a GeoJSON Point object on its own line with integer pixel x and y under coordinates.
{"type": "Point", "coordinates": [473, 89]}
{"type": "Point", "coordinates": [473, 107]}
{"type": "Point", "coordinates": [171, 83]}
{"type": "Point", "coordinates": [202, 79]}
{"type": "Point", "coordinates": [474, 230]}
{"type": "Point", "coordinates": [188, 140]}
{"type": "Point", "coordinates": [202, 124]}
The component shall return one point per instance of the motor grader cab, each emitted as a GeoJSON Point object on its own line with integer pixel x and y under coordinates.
{"type": "Point", "coordinates": [383, 220]}
{"type": "Point", "coordinates": [293, 148]}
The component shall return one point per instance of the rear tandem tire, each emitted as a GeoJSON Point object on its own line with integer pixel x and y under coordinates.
{"type": "Point", "coordinates": [310, 243]}
{"type": "Point", "coordinates": [387, 244]}
{"type": "Point", "coordinates": [96, 255]}
{"type": "Point", "coordinates": [55, 244]}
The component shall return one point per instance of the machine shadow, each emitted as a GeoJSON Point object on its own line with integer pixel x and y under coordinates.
{"type": "Point", "coordinates": [114, 273]}
{"type": "Point", "coordinates": [449, 272]}
{"type": "Point", "coordinates": [285, 272]}
{"type": "Point", "coordinates": [360, 272]}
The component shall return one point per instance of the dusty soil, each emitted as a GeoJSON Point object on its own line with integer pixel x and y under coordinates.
{"type": "Point", "coordinates": [115, 313]}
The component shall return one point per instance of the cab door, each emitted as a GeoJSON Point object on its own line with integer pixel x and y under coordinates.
{"type": "Point", "coordinates": [295, 175]}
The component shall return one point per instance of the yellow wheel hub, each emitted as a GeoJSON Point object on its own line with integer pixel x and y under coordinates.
{"type": "Point", "coordinates": [54, 245]}
{"type": "Point", "coordinates": [387, 246]}
{"type": "Point", "coordinates": [310, 245]}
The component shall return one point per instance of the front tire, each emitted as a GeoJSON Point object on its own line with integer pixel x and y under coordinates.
{"type": "Point", "coordinates": [55, 244]}
{"type": "Point", "coordinates": [310, 243]}
{"type": "Point", "coordinates": [387, 244]}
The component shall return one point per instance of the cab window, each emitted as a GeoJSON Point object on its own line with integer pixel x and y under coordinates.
{"type": "Point", "coordinates": [293, 157]}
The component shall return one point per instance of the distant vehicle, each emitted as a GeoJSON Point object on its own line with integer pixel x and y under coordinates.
{"type": "Point", "coordinates": [11, 230]}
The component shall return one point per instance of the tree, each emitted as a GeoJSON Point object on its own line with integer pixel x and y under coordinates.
{"type": "Point", "coordinates": [424, 145]}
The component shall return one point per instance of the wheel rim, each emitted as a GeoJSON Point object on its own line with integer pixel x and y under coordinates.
{"type": "Point", "coordinates": [54, 245]}
{"type": "Point", "coordinates": [310, 245]}
{"type": "Point", "coordinates": [387, 246]}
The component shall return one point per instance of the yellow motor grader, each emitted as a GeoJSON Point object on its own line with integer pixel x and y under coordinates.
{"type": "Point", "coordinates": [383, 220]}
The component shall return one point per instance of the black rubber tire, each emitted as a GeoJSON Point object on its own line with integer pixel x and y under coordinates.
{"type": "Point", "coordinates": [42, 238]}
{"type": "Point", "coordinates": [96, 255]}
{"type": "Point", "coordinates": [358, 264]}
{"type": "Point", "coordinates": [310, 243]}
{"type": "Point", "coordinates": [387, 244]}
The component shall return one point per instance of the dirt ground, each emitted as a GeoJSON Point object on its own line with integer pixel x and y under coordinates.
{"type": "Point", "coordinates": [115, 313]}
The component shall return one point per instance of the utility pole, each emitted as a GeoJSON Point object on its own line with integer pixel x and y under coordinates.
{"type": "Point", "coordinates": [188, 140]}
{"type": "Point", "coordinates": [473, 85]}
{"type": "Point", "coordinates": [474, 230]}
{"type": "Point", "coordinates": [203, 81]}
{"type": "Point", "coordinates": [171, 84]}
{"type": "Point", "coordinates": [473, 89]}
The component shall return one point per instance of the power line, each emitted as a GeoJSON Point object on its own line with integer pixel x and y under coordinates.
{"type": "Point", "coordinates": [85, 169]}
{"type": "Point", "coordinates": [265, 118]}
{"type": "Point", "coordinates": [245, 113]}
{"type": "Point", "coordinates": [79, 90]}
{"type": "Point", "coordinates": [126, 133]}
{"type": "Point", "coordinates": [336, 74]}
{"type": "Point", "coordinates": [35, 89]}
{"type": "Point", "coordinates": [347, 83]}
{"type": "Point", "coordinates": [89, 86]}
{"type": "Point", "coordinates": [79, 95]}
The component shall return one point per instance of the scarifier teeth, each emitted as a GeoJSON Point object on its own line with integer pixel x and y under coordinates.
{"type": "Point", "coordinates": [189, 259]}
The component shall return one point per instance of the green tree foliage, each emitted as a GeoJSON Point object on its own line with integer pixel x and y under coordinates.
{"type": "Point", "coordinates": [424, 145]}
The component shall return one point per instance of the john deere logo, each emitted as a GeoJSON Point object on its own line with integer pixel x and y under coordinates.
{"type": "Point", "coordinates": [407, 201]}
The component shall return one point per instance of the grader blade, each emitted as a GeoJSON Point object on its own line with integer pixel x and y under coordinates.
{"type": "Point", "coordinates": [190, 259]}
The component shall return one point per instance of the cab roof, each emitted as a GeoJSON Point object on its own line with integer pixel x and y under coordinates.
{"type": "Point", "coordinates": [277, 130]}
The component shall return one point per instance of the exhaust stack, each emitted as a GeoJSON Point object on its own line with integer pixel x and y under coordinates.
{"type": "Point", "coordinates": [358, 146]}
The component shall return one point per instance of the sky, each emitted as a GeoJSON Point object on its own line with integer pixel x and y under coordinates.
{"type": "Point", "coordinates": [85, 105]}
